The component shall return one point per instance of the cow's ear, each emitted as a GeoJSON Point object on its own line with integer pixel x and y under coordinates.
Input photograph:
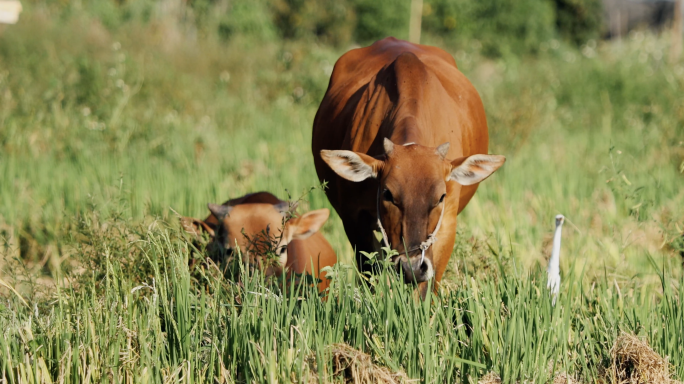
{"type": "Point", "coordinates": [308, 224]}
{"type": "Point", "coordinates": [196, 227]}
{"type": "Point", "coordinates": [219, 211]}
{"type": "Point", "coordinates": [352, 166]}
{"type": "Point", "coordinates": [473, 169]}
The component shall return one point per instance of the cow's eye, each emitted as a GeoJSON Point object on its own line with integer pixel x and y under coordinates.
{"type": "Point", "coordinates": [441, 199]}
{"type": "Point", "coordinates": [387, 196]}
{"type": "Point", "coordinates": [227, 251]}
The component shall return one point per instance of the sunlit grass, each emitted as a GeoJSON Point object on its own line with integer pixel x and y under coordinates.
{"type": "Point", "coordinates": [142, 315]}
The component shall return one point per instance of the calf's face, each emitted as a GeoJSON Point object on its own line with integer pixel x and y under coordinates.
{"type": "Point", "coordinates": [260, 231]}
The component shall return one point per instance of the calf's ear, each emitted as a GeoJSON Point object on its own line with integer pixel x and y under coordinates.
{"type": "Point", "coordinates": [196, 227]}
{"type": "Point", "coordinates": [285, 207]}
{"type": "Point", "coordinates": [308, 224]}
{"type": "Point", "coordinates": [353, 166]}
{"type": "Point", "coordinates": [473, 169]}
{"type": "Point", "coordinates": [219, 211]}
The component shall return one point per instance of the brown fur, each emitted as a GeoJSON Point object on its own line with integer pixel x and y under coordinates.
{"type": "Point", "coordinates": [406, 93]}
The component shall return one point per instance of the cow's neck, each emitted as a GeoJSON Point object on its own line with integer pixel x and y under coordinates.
{"type": "Point", "coordinates": [408, 115]}
{"type": "Point", "coordinates": [406, 129]}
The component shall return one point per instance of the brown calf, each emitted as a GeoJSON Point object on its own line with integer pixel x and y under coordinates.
{"type": "Point", "coordinates": [255, 223]}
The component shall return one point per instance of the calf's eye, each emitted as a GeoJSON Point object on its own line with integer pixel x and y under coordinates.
{"type": "Point", "coordinates": [441, 199]}
{"type": "Point", "coordinates": [387, 196]}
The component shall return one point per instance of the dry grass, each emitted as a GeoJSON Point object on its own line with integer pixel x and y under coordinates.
{"type": "Point", "coordinates": [633, 361]}
{"type": "Point", "coordinates": [490, 378]}
{"type": "Point", "coordinates": [561, 378]}
{"type": "Point", "coordinates": [564, 378]}
{"type": "Point", "coordinates": [357, 367]}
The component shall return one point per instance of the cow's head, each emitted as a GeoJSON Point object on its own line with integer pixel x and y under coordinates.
{"type": "Point", "coordinates": [412, 193]}
{"type": "Point", "coordinates": [258, 229]}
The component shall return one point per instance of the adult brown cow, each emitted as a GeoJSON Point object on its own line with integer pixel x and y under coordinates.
{"type": "Point", "coordinates": [392, 117]}
{"type": "Point", "coordinates": [256, 223]}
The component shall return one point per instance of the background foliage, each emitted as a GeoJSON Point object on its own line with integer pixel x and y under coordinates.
{"type": "Point", "coordinates": [512, 27]}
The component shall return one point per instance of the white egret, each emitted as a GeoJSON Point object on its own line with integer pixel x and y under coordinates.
{"type": "Point", "coordinates": [553, 270]}
{"type": "Point", "coordinates": [9, 11]}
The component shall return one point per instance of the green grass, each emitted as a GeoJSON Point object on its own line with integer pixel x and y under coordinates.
{"type": "Point", "coordinates": [174, 326]}
{"type": "Point", "coordinates": [104, 133]}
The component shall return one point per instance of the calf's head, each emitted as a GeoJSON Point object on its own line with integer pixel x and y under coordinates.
{"type": "Point", "coordinates": [412, 193]}
{"type": "Point", "coordinates": [258, 229]}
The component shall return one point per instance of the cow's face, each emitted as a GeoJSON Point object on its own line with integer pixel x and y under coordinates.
{"type": "Point", "coordinates": [412, 193]}
{"type": "Point", "coordinates": [261, 229]}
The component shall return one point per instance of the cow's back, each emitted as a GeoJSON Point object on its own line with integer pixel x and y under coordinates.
{"type": "Point", "coordinates": [353, 73]}
{"type": "Point", "coordinates": [251, 198]}
{"type": "Point", "coordinates": [363, 95]}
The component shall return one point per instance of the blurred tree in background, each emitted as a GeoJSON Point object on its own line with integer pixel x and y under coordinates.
{"type": "Point", "coordinates": [579, 20]}
{"type": "Point", "coordinates": [243, 18]}
{"type": "Point", "coordinates": [502, 27]}
{"type": "Point", "coordinates": [378, 19]}
{"type": "Point", "coordinates": [330, 21]}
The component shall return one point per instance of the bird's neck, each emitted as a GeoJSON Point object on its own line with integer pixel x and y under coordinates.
{"type": "Point", "coordinates": [555, 253]}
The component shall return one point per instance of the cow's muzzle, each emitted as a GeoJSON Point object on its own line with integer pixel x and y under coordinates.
{"type": "Point", "coordinates": [416, 269]}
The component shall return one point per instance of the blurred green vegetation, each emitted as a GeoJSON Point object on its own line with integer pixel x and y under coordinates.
{"type": "Point", "coordinates": [579, 21]}
{"type": "Point", "coordinates": [512, 27]}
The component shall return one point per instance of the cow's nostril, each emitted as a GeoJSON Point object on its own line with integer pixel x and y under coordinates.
{"type": "Point", "coordinates": [423, 267]}
{"type": "Point", "coordinates": [415, 271]}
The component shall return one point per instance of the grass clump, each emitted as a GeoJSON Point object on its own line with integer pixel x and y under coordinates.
{"type": "Point", "coordinates": [358, 368]}
{"type": "Point", "coordinates": [490, 378]}
{"type": "Point", "coordinates": [635, 362]}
